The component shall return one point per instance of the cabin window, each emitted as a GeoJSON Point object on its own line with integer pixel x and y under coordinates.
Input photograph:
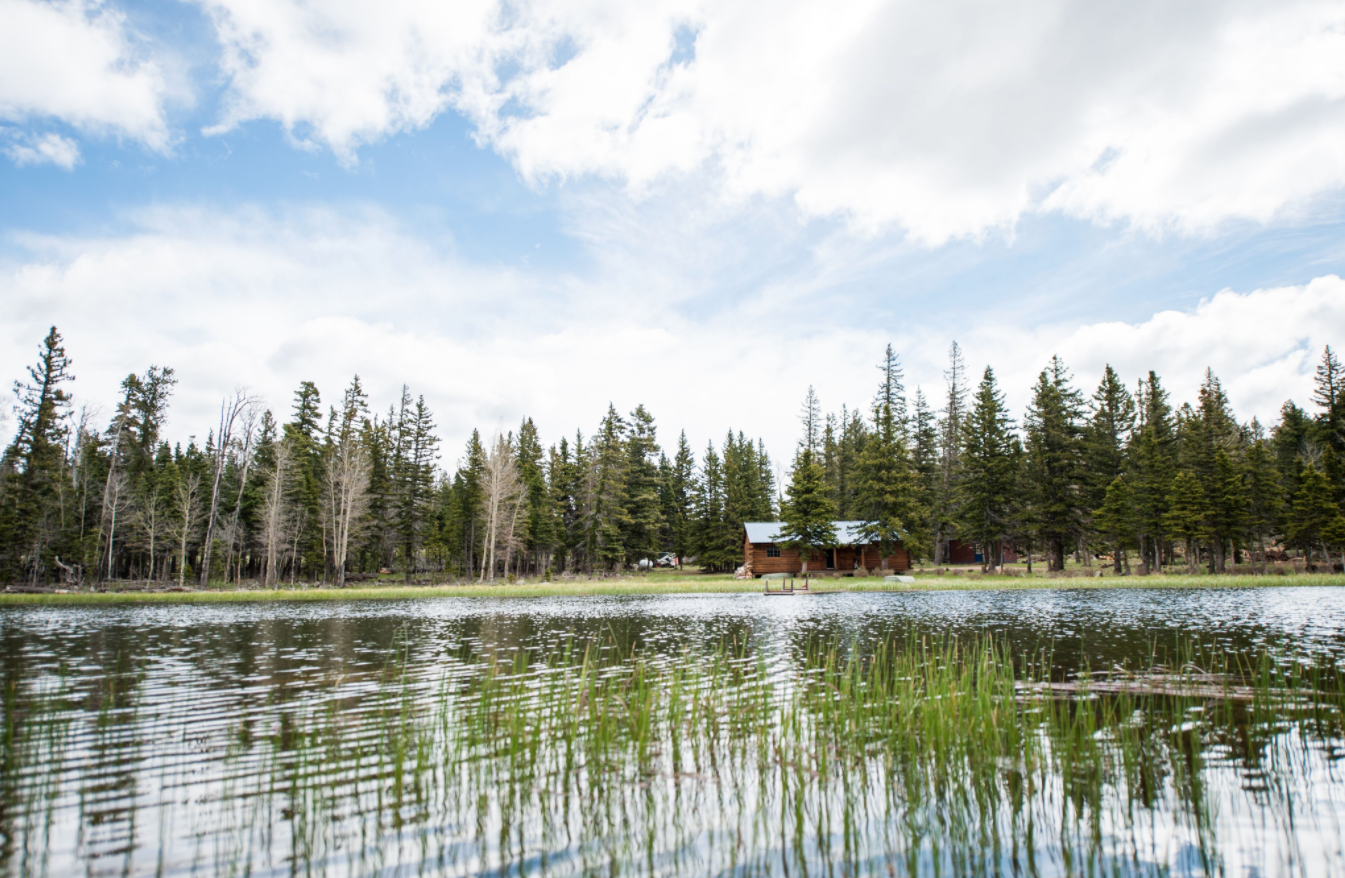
{"type": "Point", "coordinates": [772, 551]}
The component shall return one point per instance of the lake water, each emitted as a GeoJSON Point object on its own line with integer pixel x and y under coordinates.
{"type": "Point", "coordinates": [440, 737]}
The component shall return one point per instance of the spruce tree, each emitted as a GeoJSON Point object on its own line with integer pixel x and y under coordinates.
{"type": "Point", "coordinates": [304, 435]}
{"type": "Point", "coordinates": [414, 472]}
{"type": "Point", "coordinates": [712, 548]}
{"type": "Point", "coordinates": [564, 475]}
{"type": "Point", "coordinates": [989, 462]}
{"type": "Point", "coordinates": [33, 466]}
{"type": "Point", "coordinates": [1152, 455]}
{"type": "Point", "coordinates": [608, 517]}
{"type": "Point", "coordinates": [1115, 521]}
{"type": "Point", "coordinates": [854, 437]}
{"type": "Point", "coordinates": [644, 518]}
{"type": "Point", "coordinates": [809, 514]}
{"type": "Point", "coordinates": [944, 508]}
{"type": "Point", "coordinates": [887, 490]}
{"type": "Point", "coordinates": [1329, 396]}
{"type": "Point", "coordinates": [1104, 454]}
{"type": "Point", "coordinates": [925, 460]}
{"type": "Point", "coordinates": [538, 521]}
{"type": "Point", "coordinates": [1228, 508]}
{"type": "Point", "coordinates": [1264, 497]}
{"type": "Point", "coordinates": [1055, 461]}
{"type": "Point", "coordinates": [1186, 514]}
{"type": "Point", "coordinates": [747, 494]}
{"type": "Point", "coordinates": [1312, 512]}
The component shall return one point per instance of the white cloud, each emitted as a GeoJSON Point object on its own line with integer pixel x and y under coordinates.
{"type": "Point", "coordinates": [268, 299]}
{"type": "Point", "coordinates": [1263, 345]}
{"type": "Point", "coordinates": [945, 119]}
{"type": "Point", "coordinates": [43, 149]}
{"type": "Point", "coordinates": [75, 60]}
{"type": "Point", "coordinates": [351, 72]}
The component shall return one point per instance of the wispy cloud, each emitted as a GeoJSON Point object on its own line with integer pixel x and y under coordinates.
{"type": "Point", "coordinates": [268, 298]}
{"type": "Point", "coordinates": [42, 149]}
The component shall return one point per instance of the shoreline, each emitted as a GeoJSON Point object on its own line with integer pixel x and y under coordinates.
{"type": "Point", "coordinates": [656, 585]}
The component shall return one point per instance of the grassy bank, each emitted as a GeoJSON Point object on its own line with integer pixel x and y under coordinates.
{"type": "Point", "coordinates": [660, 583]}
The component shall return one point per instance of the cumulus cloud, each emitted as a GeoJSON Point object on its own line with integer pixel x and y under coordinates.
{"type": "Point", "coordinates": [1263, 345]}
{"type": "Point", "coordinates": [267, 299]}
{"type": "Point", "coordinates": [27, 149]}
{"type": "Point", "coordinates": [944, 120]}
{"type": "Point", "coordinates": [76, 61]}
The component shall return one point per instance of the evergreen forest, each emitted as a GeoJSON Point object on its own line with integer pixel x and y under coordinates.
{"type": "Point", "coordinates": [341, 490]}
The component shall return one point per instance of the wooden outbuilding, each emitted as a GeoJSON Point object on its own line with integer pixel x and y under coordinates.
{"type": "Point", "coordinates": [762, 552]}
{"type": "Point", "coordinates": [969, 553]}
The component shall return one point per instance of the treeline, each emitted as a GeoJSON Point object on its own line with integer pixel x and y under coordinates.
{"type": "Point", "coordinates": [323, 496]}
{"type": "Point", "coordinates": [1120, 473]}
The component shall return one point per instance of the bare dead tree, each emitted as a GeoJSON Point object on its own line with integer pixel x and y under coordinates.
{"type": "Point", "coordinates": [151, 521]}
{"type": "Point", "coordinates": [347, 497]}
{"type": "Point", "coordinates": [248, 428]}
{"type": "Point", "coordinates": [233, 412]}
{"type": "Point", "coordinates": [188, 496]}
{"type": "Point", "coordinates": [116, 501]}
{"type": "Point", "coordinates": [273, 525]}
{"type": "Point", "coordinates": [500, 497]}
{"type": "Point", "coordinates": [114, 490]}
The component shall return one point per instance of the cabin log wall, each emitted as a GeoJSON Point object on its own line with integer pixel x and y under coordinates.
{"type": "Point", "coordinates": [790, 561]}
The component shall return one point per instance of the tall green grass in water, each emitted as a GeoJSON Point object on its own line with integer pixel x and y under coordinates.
{"type": "Point", "coordinates": [902, 758]}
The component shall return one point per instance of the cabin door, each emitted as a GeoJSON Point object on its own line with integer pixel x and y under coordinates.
{"type": "Point", "coordinates": [831, 559]}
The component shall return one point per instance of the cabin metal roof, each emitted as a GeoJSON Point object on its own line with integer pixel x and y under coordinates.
{"type": "Point", "coordinates": [847, 532]}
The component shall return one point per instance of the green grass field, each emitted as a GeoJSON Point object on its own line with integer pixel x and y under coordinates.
{"type": "Point", "coordinates": [666, 582]}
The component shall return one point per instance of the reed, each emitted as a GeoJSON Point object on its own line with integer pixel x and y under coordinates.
{"type": "Point", "coordinates": [905, 756]}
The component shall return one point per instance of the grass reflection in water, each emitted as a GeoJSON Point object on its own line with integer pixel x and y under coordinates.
{"type": "Point", "coordinates": [915, 757]}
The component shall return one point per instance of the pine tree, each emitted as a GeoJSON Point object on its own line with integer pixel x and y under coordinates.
{"type": "Point", "coordinates": [1186, 513]}
{"type": "Point", "coordinates": [414, 471]}
{"type": "Point", "coordinates": [989, 462]}
{"type": "Point", "coordinates": [944, 508]}
{"type": "Point", "coordinates": [1115, 520]}
{"type": "Point", "coordinates": [854, 436]}
{"type": "Point", "coordinates": [1312, 512]}
{"type": "Point", "coordinates": [564, 477]}
{"type": "Point", "coordinates": [538, 521]}
{"type": "Point", "coordinates": [679, 490]}
{"type": "Point", "coordinates": [644, 519]}
{"type": "Point", "coordinates": [812, 422]}
{"type": "Point", "coordinates": [809, 514]}
{"type": "Point", "coordinates": [747, 497]}
{"type": "Point", "coordinates": [714, 550]}
{"type": "Point", "coordinates": [891, 389]}
{"type": "Point", "coordinates": [925, 460]}
{"type": "Point", "coordinates": [1329, 396]}
{"type": "Point", "coordinates": [608, 516]}
{"type": "Point", "coordinates": [1105, 440]}
{"type": "Point", "coordinates": [33, 467]}
{"type": "Point", "coordinates": [1228, 507]}
{"type": "Point", "coordinates": [887, 491]}
{"type": "Point", "coordinates": [765, 509]}
{"type": "Point", "coordinates": [1152, 455]}
{"type": "Point", "coordinates": [1055, 461]}
{"type": "Point", "coordinates": [304, 435]}
{"type": "Point", "coordinates": [1264, 497]}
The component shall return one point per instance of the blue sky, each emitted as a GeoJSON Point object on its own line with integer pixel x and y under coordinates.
{"type": "Point", "coordinates": [535, 208]}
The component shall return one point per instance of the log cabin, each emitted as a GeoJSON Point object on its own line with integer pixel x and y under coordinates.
{"type": "Point", "coordinates": [968, 553]}
{"type": "Point", "coordinates": [763, 554]}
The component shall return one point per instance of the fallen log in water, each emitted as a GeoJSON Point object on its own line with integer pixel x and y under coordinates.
{"type": "Point", "coordinates": [1206, 686]}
